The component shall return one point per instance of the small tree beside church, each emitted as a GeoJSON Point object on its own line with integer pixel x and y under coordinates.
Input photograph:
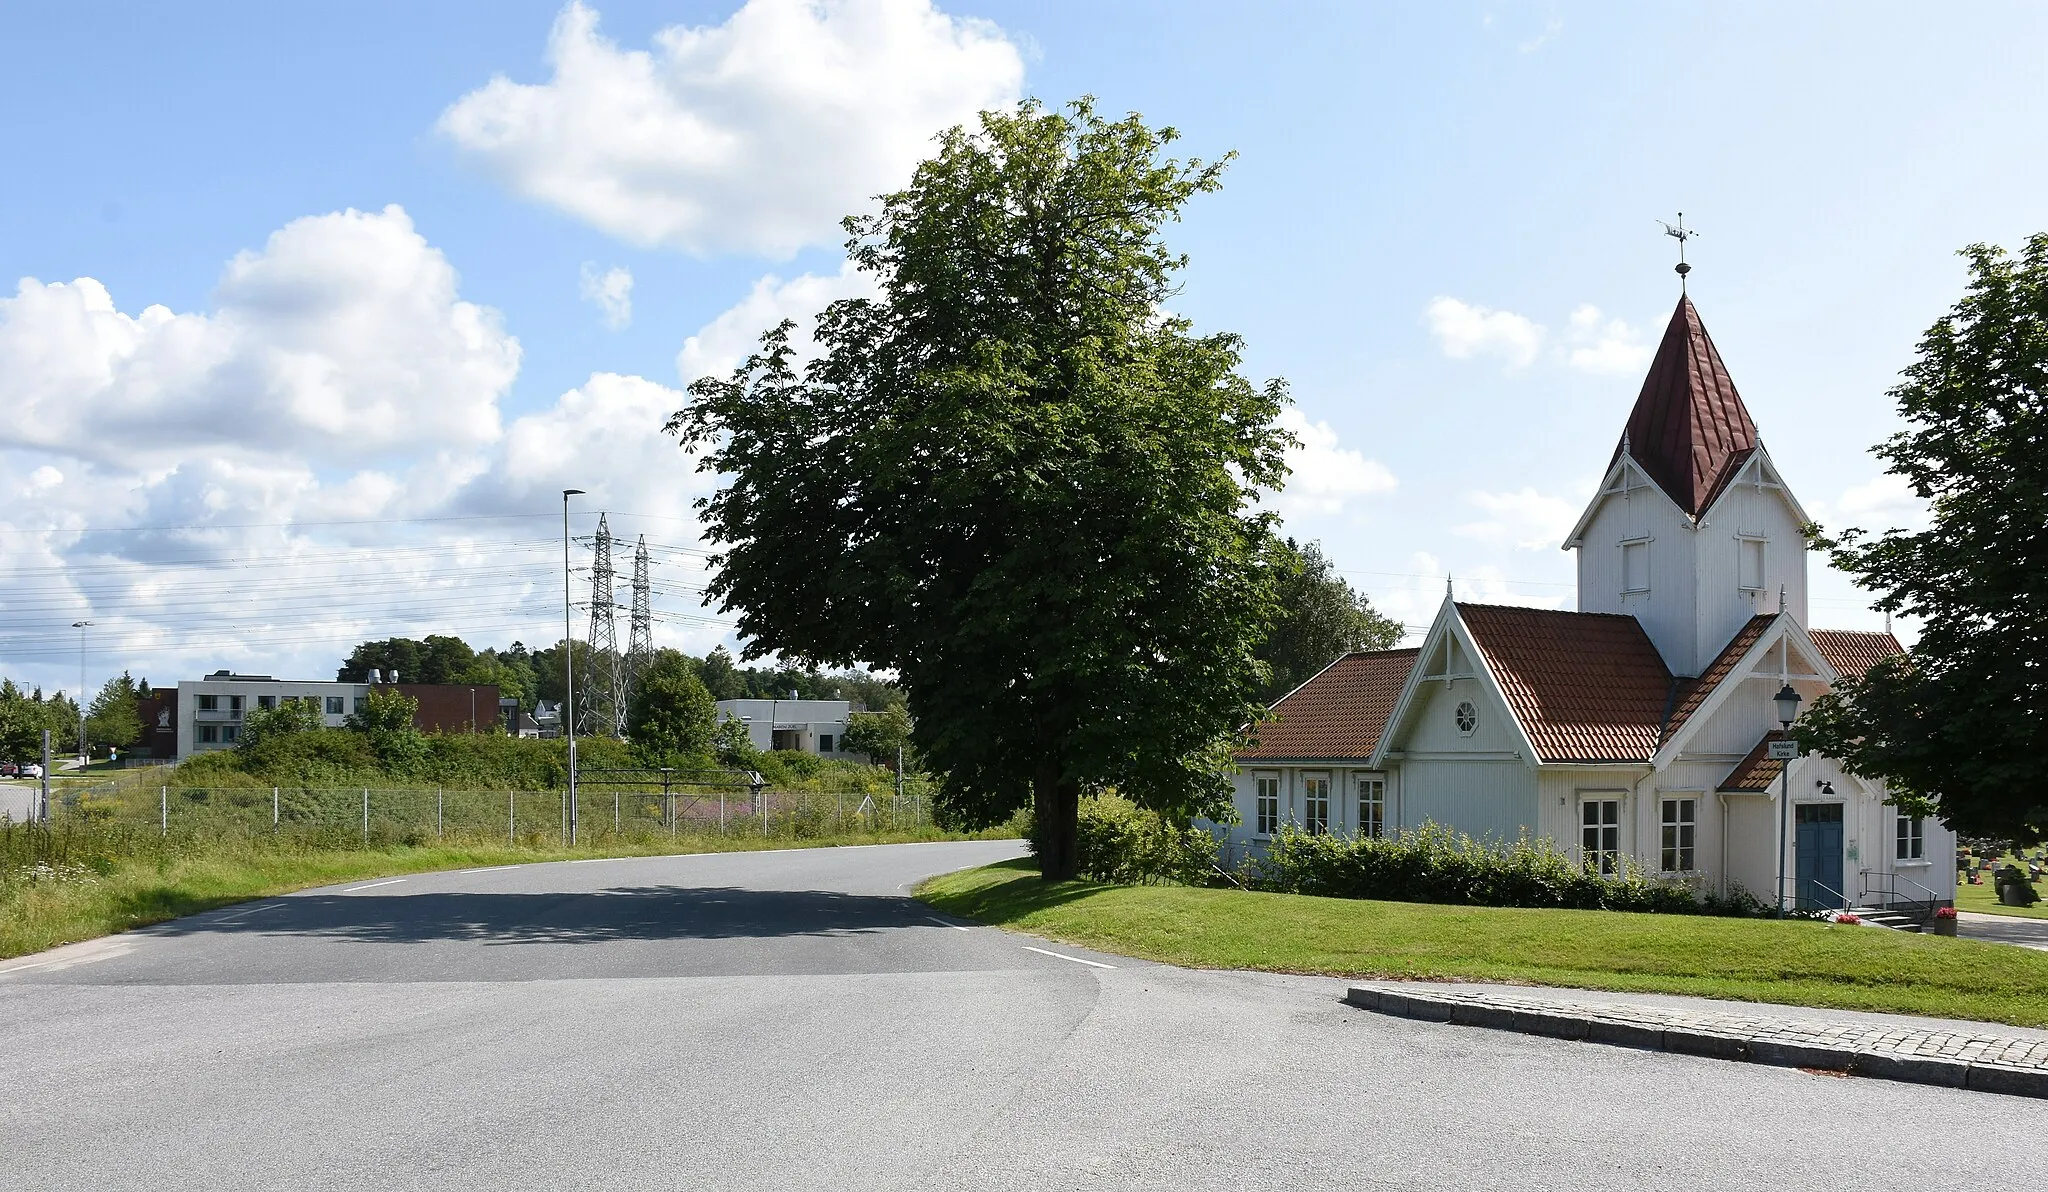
{"type": "Point", "coordinates": [1957, 727]}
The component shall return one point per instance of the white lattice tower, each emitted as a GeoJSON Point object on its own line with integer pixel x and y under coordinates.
{"type": "Point", "coordinates": [640, 646]}
{"type": "Point", "coordinates": [603, 710]}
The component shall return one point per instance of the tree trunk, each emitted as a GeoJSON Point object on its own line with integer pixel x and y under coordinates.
{"type": "Point", "coordinates": [1056, 805]}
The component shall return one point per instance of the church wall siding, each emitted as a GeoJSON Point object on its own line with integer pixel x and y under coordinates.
{"type": "Point", "coordinates": [1747, 511]}
{"type": "Point", "coordinates": [1432, 724]}
{"type": "Point", "coordinates": [1485, 799]}
{"type": "Point", "coordinates": [1666, 610]}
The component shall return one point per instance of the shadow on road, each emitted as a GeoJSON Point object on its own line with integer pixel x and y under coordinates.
{"type": "Point", "coordinates": [632, 913]}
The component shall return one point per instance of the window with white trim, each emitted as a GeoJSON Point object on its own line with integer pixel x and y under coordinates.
{"type": "Point", "coordinates": [1266, 804]}
{"type": "Point", "coordinates": [1600, 835]}
{"type": "Point", "coordinates": [1466, 717]}
{"type": "Point", "coordinates": [1911, 839]}
{"type": "Point", "coordinates": [1749, 564]}
{"type": "Point", "coordinates": [1315, 803]}
{"type": "Point", "coordinates": [1372, 807]}
{"type": "Point", "coordinates": [334, 705]}
{"type": "Point", "coordinates": [1676, 836]}
{"type": "Point", "coordinates": [1635, 566]}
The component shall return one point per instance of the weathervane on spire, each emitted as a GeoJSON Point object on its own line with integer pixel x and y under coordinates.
{"type": "Point", "coordinates": [1680, 233]}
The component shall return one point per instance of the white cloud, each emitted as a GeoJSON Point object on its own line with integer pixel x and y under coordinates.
{"type": "Point", "coordinates": [343, 336]}
{"type": "Point", "coordinates": [1325, 477]}
{"type": "Point", "coordinates": [756, 135]}
{"type": "Point", "coordinates": [720, 345]}
{"type": "Point", "coordinates": [612, 291]}
{"type": "Point", "coordinates": [1604, 346]}
{"type": "Point", "coordinates": [1525, 520]}
{"type": "Point", "coordinates": [1464, 331]}
{"type": "Point", "coordinates": [292, 458]}
{"type": "Point", "coordinates": [1881, 503]}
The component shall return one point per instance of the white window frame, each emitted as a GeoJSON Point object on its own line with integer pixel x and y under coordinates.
{"type": "Point", "coordinates": [1642, 544]}
{"type": "Point", "coordinates": [1743, 544]}
{"type": "Point", "coordinates": [1678, 834]}
{"type": "Point", "coordinates": [1909, 838]}
{"type": "Point", "coordinates": [1460, 707]}
{"type": "Point", "coordinates": [1315, 803]}
{"type": "Point", "coordinates": [333, 704]}
{"type": "Point", "coordinates": [1602, 854]}
{"type": "Point", "coordinates": [1265, 803]}
{"type": "Point", "coordinates": [1371, 790]}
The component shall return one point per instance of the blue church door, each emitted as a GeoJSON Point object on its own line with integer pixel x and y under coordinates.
{"type": "Point", "coordinates": [1820, 856]}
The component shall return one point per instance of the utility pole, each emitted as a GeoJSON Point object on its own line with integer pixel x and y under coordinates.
{"type": "Point", "coordinates": [567, 714]}
{"type": "Point", "coordinates": [603, 688]}
{"type": "Point", "coordinates": [81, 626]}
{"type": "Point", "coordinates": [640, 645]}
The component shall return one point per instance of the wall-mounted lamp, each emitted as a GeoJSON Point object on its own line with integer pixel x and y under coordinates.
{"type": "Point", "coordinates": [1826, 787]}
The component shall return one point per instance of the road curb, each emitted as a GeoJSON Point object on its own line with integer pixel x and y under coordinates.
{"type": "Point", "coordinates": [1565, 1021]}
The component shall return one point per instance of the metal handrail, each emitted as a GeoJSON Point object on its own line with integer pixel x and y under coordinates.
{"type": "Point", "coordinates": [1884, 886]}
{"type": "Point", "coordinates": [1844, 898]}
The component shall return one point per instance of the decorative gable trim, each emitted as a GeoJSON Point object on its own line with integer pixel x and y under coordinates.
{"type": "Point", "coordinates": [1760, 473]}
{"type": "Point", "coordinates": [1625, 478]}
{"type": "Point", "coordinates": [1784, 633]}
{"type": "Point", "coordinates": [1447, 630]}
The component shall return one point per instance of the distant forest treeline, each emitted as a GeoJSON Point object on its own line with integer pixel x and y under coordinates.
{"type": "Point", "coordinates": [529, 675]}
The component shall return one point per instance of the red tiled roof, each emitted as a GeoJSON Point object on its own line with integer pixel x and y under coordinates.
{"type": "Point", "coordinates": [1337, 714]}
{"type": "Point", "coordinates": [1755, 772]}
{"type": "Point", "coordinates": [1694, 692]}
{"type": "Point", "coordinates": [1689, 429]}
{"type": "Point", "coordinates": [1587, 687]}
{"type": "Point", "coordinates": [1852, 652]}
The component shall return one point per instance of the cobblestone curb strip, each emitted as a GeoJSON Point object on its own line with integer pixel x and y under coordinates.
{"type": "Point", "coordinates": [1953, 1058]}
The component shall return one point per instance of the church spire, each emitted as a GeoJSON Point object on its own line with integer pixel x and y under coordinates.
{"type": "Point", "coordinates": [1689, 429]}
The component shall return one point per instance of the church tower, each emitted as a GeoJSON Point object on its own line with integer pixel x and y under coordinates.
{"type": "Point", "coordinates": [1692, 531]}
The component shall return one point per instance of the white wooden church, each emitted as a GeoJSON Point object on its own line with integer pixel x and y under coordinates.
{"type": "Point", "coordinates": [1640, 726]}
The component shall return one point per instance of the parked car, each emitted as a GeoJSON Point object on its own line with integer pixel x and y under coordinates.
{"type": "Point", "coordinates": [32, 770]}
{"type": "Point", "coordinates": [9, 770]}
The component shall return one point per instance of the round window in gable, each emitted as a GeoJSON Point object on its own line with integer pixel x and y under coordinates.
{"type": "Point", "coordinates": [1468, 718]}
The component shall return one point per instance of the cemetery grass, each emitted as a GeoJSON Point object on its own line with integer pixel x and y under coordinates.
{"type": "Point", "coordinates": [1794, 962]}
{"type": "Point", "coordinates": [74, 901]}
{"type": "Point", "coordinates": [1983, 900]}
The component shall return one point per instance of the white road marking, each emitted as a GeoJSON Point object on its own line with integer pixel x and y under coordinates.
{"type": "Point", "coordinates": [943, 923]}
{"type": "Point", "coordinates": [492, 869]}
{"type": "Point", "coordinates": [373, 885]}
{"type": "Point", "coordinates": [254, 910]}
{"type": "Point", "coordinates": [105, 948]}
{"type": "Point", "coordinates": [1064, 956]}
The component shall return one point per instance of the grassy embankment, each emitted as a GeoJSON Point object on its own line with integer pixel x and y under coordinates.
{"type": "Point", "coordinates": [1796, 962]}
{"type": "Point", "coordinates": [102, 895]}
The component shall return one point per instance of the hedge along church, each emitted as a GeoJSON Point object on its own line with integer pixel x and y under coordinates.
{"type": "Point", "coordinates": [1639, 726]}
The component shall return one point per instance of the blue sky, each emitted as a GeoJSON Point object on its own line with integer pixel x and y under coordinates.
{"type": "Point", "coordinates": [1427, 202]}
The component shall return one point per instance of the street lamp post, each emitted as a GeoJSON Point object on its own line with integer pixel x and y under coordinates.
{"type": "Point", "coordinates": [81, 626]}
{"type": "Point", "coordinates": [1788, 711]}
{"type": "Point", "coordinates": [568, 713]}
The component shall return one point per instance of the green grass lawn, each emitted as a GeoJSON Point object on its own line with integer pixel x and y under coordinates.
{"type": "Point", "coordinates": [1984, 900]}
{"type": "Point", "coordinates": [133, 892]}
{"type": "Point", "coordinates": [1793, 962]}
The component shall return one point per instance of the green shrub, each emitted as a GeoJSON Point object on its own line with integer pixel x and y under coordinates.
{"type": "Point", "coordinates": [1125, 844]}
{"type": "Point", "coordinates": [1434, 864]}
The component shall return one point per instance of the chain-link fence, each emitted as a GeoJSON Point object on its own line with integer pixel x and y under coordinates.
{"type": "Point", "coordinates": [373, 816]}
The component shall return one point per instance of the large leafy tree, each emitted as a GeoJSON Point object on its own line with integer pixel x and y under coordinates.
{"type": "Point", "coordinates": [113, 717]}
{"type": "Point", "coordinates": [22, 721]}
{"type": "Point", "coordinates": [1015, 479]}
{"type": "Point", "coordinates": [671, 714]}
{"type": "Point", "coordinates": [1959, 726]}
{"type": "Point", "coordinates": [1321, 618]}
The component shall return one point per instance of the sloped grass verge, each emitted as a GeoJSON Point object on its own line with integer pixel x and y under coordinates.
{"type": "Point", "coordinates": [1795, 963]}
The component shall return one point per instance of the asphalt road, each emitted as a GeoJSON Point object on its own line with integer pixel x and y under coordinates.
{"type": "Point", "coordinates": [791, 1020]}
